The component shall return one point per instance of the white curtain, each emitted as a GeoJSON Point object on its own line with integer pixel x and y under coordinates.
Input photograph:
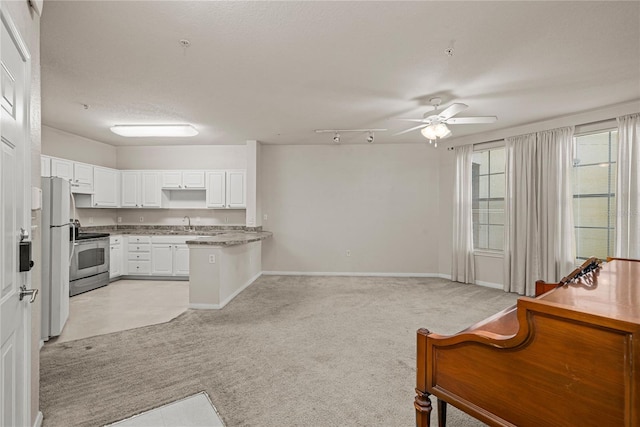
{"type": "Point", "coordinates": [462, 264]}
{"type": "Point", "coordinates": [628, 188]}
{"type": "Point", "coordinates": [539, 234]}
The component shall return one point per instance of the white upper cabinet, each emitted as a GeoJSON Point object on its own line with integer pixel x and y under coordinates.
{"type": "Point", "coordinates": [45, 166]}
{"type": "Point", "coordinates": [106, 186]}
{"type": "Point", "coordinates": [150, 190]}
{"type": "Point", "coordinates": [62, 168]}
{"type": "Point", "coordinates": [130, 189]}
{"type": "Point", "coordinates": [183, 180]}
{"type": "Point", "coordinates": [216, 189]}
{"type": "Point", "coordinates": [82, 178]}
{"type": "Point", "coordinates": [141, 189]}
{"type": "Point", "coordinates": [236, 189]}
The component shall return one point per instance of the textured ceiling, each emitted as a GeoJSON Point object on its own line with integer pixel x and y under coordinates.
{"type": "Point", "coordinates": [275, 71]}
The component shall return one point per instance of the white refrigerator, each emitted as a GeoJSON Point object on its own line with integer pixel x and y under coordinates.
{"type": "Point", "coordinates": [56, 198]}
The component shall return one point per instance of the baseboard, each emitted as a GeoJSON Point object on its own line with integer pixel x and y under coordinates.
{"type": "Point", "coordinates": [41, 344]}
{"type": "Point", "coordinates": [444, 276]}
{"type": "Point", "coordinates": [138, 277]}
{"type": "Point", "coordinates": [205, 306]}
{"type": "Point", "coordinates": [245, 286]}
{"type": "Point", "coordinates": [347, 273]}
{"type": "Point", "coordinates": [489, 284]}
{"type": "Point", "coordinates": [38, 421]}
{"type": "Point", "coordinates": [228, 300]}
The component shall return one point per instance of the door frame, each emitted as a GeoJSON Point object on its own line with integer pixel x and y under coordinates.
{"type": "Point", "coordinates": [25, 179]}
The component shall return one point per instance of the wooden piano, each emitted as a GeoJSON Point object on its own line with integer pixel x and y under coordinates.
{"type": "Point", "coordinates": [569, 357]}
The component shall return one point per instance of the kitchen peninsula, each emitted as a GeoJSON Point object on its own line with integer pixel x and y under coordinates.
{"type": "Point", "coordinates": [218, 261]}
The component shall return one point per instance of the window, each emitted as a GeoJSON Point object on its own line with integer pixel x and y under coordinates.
{"type": "Point", "coordinates": [594, 199]}
{"type": "Point", "coordinates": [488, 182]}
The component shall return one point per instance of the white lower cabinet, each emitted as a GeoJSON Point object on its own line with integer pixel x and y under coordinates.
{"type": "Point", "coordinates": [115, 257]}
{"type": "Point", "coordinates": [157, 255]}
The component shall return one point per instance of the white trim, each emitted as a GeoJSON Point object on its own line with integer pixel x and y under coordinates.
{"type": "Point", "coordinates": [245, 286]}
{"type": "Point", "coordinates": [444, 276]}
{"type": "Point", "coordinates": [347, 274]}
{"type": "Point", "coordinates": [205, 306]}
{"type": "Point", "coordinates": [41, 345]}
{"type": "Point", "coordinates": [489, 284]}
{"type": "Point", "coordinates": [488, 254]}
{"type": "Point", "coordinates": [38, 421]}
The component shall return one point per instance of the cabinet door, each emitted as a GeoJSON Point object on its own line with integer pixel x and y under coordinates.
{"type": "Point", "coordinates": [216, 189]}
{"type": "Point", "coordinates": [181, 260]}
{"type": "Point", "coordinates": [62, 168]}
{"type": "Point", "coordinates": [106, 185]}
{"type": "Point", "coordinates": [172, 179]}
{"type": "Point", "coordinates": [115, 261]}
{"type": "Point", "coordinates": [193, 179]}
{"type": "Point", "coordinates": [236, 189]}
{"type": "Point", "coordinates": [162, 260]}
{"type": "Point", "coordinates": [130, 189]}
{"type": "Point", "coordinates": [45, 166]}
{"type": "Point", "coordinates": [150, 193]}
{"type": "Point", "coordinates": [83, 177]}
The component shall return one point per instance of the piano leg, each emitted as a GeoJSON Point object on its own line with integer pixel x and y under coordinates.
{"type": "Point", "coordinates": [422, 404]}
{"type": "Point", "coordinates": [442, 413]}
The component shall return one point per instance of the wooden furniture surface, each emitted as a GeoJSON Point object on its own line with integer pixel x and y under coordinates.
{"type": "Point", "coordinates": [570, 357]}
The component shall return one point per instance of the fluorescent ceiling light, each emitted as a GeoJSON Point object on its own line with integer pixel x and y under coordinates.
{"type": "Point", "coordinates": [154, 130]}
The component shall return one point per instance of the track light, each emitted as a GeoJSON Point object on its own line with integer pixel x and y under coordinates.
{"type": "Point", "coordinates": [336, 133]}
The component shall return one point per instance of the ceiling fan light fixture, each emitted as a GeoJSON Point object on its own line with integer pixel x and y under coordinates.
{"type": "Point", "coordinates": [154, 131]}
{"type": "Point", "coordinates": [441, 130]}
{"type": "Point", "coordinates": [429, 132]}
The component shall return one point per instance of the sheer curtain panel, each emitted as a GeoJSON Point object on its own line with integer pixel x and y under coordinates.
{"type": "Point", "coordinates": [539, 234]}
{"type": "Point", "coordinates": [462, 264]}
{"type": "Point", "coordinates": [628, 188]}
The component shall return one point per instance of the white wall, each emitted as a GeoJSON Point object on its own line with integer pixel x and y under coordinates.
{"type": "Point", "coordinates": [183, 157]}
{"type": "Point", "coordinates": [66, 145]}
{"type": "Point", "coordinates": [378, 201]}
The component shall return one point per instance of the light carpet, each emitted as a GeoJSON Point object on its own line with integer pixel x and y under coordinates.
{"type": "Point", "coordinates": [288, 351]}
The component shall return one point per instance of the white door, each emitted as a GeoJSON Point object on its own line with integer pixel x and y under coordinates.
{"type": "Point", "coordinates": [83, 177]}
{"type": "Point", "coordinates": [151, 191]}
{"type": "Point", "coordinates": [115, 260]}
{"type": "Point", "coordinates": [14, 180]}
{"type": "Point", "coordinates": [161, 260]}
{"type": "Point", "coordinates": [130, 189]}
{"type": "Point", "coordinates": [236, 192]}
{"type": "Point", "coordinates": [180, 260]}
{"type": "Point", "coordinates": [105, 186]}
{"type": "Point", "coordinates": [172, 179]}
{"type": "Point", "coordinates": [62, 169]}
{"type": "Point", "coordinates": [215, 189]}
{"type": "Point", "coordinates": [193, 179]}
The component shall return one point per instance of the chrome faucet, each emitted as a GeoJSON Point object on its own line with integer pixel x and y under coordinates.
{"type": "Point", "coordinates": [188, 222]}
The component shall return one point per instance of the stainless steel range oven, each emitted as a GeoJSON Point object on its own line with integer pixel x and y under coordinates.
{"type": "Point", "coordinates": [89, 268]}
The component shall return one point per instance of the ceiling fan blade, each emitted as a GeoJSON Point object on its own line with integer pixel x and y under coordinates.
{"type": "Point", "coordinates": [452, 110]}
{"type": "Point", "coordinates": [471, 120]}
{"type": "Point", "coordinates": [414, 120]}
{"type": "Point", "coordinates": [410, 129]}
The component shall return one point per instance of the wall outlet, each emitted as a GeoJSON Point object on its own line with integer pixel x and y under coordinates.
{"type": "Point", "coordinates": [212, 259]}
{"type": "Point", "coordinates": [348, 252]}
{"type": "Point", "coordinates": [141, 219]}
{"type": "Point", "coordinates": [226, 219]}
{"type": "Point", "coordinates": [265, 217]}
{"type": "Point", "coordinates": [119, 219]}
{"type": "Point", "coordinates": [90, 220]}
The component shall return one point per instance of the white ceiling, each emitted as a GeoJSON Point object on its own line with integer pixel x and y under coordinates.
{"type": "Point", "coordinates": [275, 71]}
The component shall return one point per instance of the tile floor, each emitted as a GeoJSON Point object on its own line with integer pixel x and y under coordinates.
{"type": "Point", "coordinates": [193, 411]}
{"type": "Point", "coordinates": [125, 304]}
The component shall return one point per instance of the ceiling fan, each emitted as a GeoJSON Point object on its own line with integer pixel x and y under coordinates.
{"type": "Point", "coordinates": [434, 126]}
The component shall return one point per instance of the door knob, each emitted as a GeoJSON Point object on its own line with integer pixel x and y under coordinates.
{"type": "Point", "coordinates": [24, 292]}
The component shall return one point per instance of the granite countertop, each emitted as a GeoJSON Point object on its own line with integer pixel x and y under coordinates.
{"type": "Point", "coordinates": [231, 238]}
{"type": "Point", "coordinates": [228, 235]}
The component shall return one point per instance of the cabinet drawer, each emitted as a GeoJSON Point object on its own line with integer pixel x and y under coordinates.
{"type": "Point", "coordinates": [139, 256]}
{"type": "Point", "coordinates": [115, 240]}
{"type": "Point", "coordinates": [175, 240]}
{"type": "Point", "coordinates": [139, 267]}
{"type": "Point", "coordinates": [139, 239]}
{"type": "Point", "coordinates": [135, 247]}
